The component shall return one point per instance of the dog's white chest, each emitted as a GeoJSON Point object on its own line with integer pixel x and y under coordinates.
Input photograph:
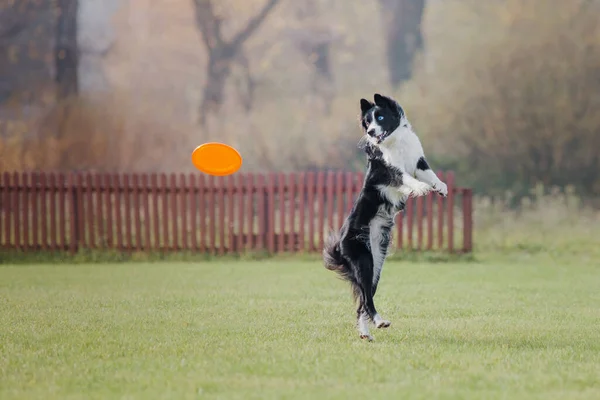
{"type": "Point", "coordinates": [404, 152]}
{"type": "Point", "coordinates": [392, 194]}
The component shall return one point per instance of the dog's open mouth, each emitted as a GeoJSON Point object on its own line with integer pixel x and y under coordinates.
{"type": "Point", "coordinates": [381, 138]}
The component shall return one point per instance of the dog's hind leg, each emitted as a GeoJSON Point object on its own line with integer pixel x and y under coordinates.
{"type": "Point", "coordinates": [362, 288]}
{"type": "Point", "coordinates": [365, 282]}
{"type": "Point", "coordinates": [380, 242]}
{"type": "Point", "coordinates": [362, 320]}
{"type": "Point", "coordinates": [377, 320]}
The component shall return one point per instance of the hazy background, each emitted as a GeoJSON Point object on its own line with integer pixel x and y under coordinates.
{"type": "Point", "coordinates": [505, 92]}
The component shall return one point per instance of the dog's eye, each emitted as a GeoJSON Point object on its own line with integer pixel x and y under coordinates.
{"type": "Point", "coordinates": [380, 118]}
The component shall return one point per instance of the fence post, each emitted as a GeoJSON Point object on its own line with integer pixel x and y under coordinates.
{"type": "Point", "coordinates": [321, 213]}
{"type": "Point", "coordinates": [429, 218]}
{"type": "Point", "coordinates": [74, 218]}
{"type": "Point", "coordinates": [25, 210]}
{"type": "Point", "coordinates": [2, 206]}
{"type": "Point", "coordinates": [440, 216]}
{"type": "Point", "coordinates": [450, 220]}
{"type": "Point", "coordinates": [222, 210]}
{"type": "Point", "coordinates": [270, 214]}
{"type": "Point", "coordinates": [89, 194]}
{"type": "Point", "coordinates": [292, 240]}
{"type": "Point", "coordinates": [468, 220]}
{"type": "Point", "coordinates": [36, 194]}
{"type": "Point", "coordinates": [302, 208]}
{"type": "Point", "coordinates": [175, 215]}
{"type": "Point", "coordinates": [250, 211]}
{"type": "Point", "coordinates": [409, 223]}
{"type": "Point", "coordinates": [310, 193]}
{"type": "Point", "coordinates": [281, 190]}
{"type": "Point", "coordinates": [419, 221]}
{"type": "Point", "coordinates": [7, 208]}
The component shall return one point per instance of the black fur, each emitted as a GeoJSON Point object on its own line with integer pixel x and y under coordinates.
{"type": "Point", "coordinates": [422, 164]}
{"type": "Point", "coordinates": [348, 252]}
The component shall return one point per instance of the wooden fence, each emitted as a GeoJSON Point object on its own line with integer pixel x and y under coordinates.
{"type": "Point", "coordinates": [244, 212]}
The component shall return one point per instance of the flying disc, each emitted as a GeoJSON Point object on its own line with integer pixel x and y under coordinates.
{"type": "Point", "coordinates": [216, 159]}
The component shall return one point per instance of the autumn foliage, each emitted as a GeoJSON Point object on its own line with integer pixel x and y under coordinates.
{"type": "Point", "coordinates": [520, 106]}
{"type": "Point", "coordinates": [504, 92]}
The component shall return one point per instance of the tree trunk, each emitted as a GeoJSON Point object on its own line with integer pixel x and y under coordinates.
{"type": "Point", "coordinates": [218, 71]}
{"type": "Point", "coordinates": [402, 24]}
{"type": "Point", "coordinates": [222, 53]}
{"type": "Point", "coordinates": [66, 52]}
{"type": "Point", "coordinates": [26, 39]}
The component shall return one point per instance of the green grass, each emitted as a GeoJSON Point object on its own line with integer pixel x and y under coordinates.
{"type": "Point", "coordinates": [522, 327]}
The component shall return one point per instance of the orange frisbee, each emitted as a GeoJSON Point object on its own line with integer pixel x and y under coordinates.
{"type": "Point", "coordinates": [216, 159]}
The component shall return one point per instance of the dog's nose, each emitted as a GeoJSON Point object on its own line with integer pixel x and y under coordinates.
{"type": "Point", "coordinates": [371, 132]}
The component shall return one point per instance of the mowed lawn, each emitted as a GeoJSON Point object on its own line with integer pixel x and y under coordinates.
{"type": "Point", "coordinates": [512, 328]}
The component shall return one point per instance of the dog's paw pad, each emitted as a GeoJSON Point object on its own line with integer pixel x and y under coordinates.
{"type": "Point", "coordinates": [368, 337]}
{"type": "Point", "coordinates": [441, 189]}
{"type": "Point", "coordinates": [383, 324]}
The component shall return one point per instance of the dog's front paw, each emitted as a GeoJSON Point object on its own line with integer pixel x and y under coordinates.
{"type": "Point", "coordinates": [380, 322]}
{"type": "Point", "coordinates": [419, 189]}
{"type": "Point", "coordinates": [383, 324]}
{"type": "Point", "coordinates": [441, 188]}
{"type": "Point", "coordinates": [415, 189]}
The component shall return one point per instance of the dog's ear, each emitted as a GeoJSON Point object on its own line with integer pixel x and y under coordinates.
{"type": "Point", "coordinates": [384, 102]}
{"type": "Point", "coordinates": [365, 105]}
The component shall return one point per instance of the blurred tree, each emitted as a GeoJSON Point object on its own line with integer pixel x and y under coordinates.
{"type": "Point", "coordinates": [402, 22]}
{"type": "Point", "coordinates": [314, 38]}
{"type": "Point", "coordinates": [25, 43]}
{"type": "Point", "coordinates": [10, 26]}
{"type": "Point", "coordinates": [512, 99]}
{"type": "Point", "coordinates": [222, 53]}
{"type": "Point", "coordinates": [66, 52]}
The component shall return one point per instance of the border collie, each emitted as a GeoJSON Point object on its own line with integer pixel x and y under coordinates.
{"type": "Point", "coordinates": [396, 170]}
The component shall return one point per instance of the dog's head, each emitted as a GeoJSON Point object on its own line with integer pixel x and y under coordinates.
{"type": "Point", "coordinates": [381, 120]}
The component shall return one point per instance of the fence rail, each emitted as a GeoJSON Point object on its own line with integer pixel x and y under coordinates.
{"type": "Point", "coordinates": [244, 212]}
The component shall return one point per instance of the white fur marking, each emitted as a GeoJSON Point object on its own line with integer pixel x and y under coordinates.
{"type": "Point", "coordinates": [412, 187]}
{"type": "Point", "coordinates": [380, 322]}
{"type": "Point", "coordinates": [375, 239]}
{"type": "Point", "coordinates": [374, 125]}
{"type": "Point", "coordinates": [363, 326]}
{"type": "Point", "coordinates": [429, 177]}
{"type": "Point", "coordinates": [392, 194]}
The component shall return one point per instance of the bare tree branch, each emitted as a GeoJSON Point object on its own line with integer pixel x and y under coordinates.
{"type": "Point", "coordinates": [208, 23]}
{"type": "Point", "coordinates": [66, 52]}
{"type": "Point", "coordinates": [222, 54]}
{"type": "Point", "coordinates": [402, 24]}
{"type": "Point", "coordinates": [253, 24]}
{"type": "Point", "coordinates": [10, 25]}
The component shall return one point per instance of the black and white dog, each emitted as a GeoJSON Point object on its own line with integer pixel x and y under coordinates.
{"type": "Point", "coordinates": [396, 170]}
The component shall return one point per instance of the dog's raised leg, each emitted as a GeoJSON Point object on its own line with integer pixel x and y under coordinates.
{"type": "Point", "coordinates": [413, 187]}
{"type": "Point", "coordinates": [425, 174]}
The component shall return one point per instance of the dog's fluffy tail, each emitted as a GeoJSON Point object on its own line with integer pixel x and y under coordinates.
{"type": "Point", "coordinates": [332, 256]}
{"type": "Point", "coordinates": [334, 261]}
